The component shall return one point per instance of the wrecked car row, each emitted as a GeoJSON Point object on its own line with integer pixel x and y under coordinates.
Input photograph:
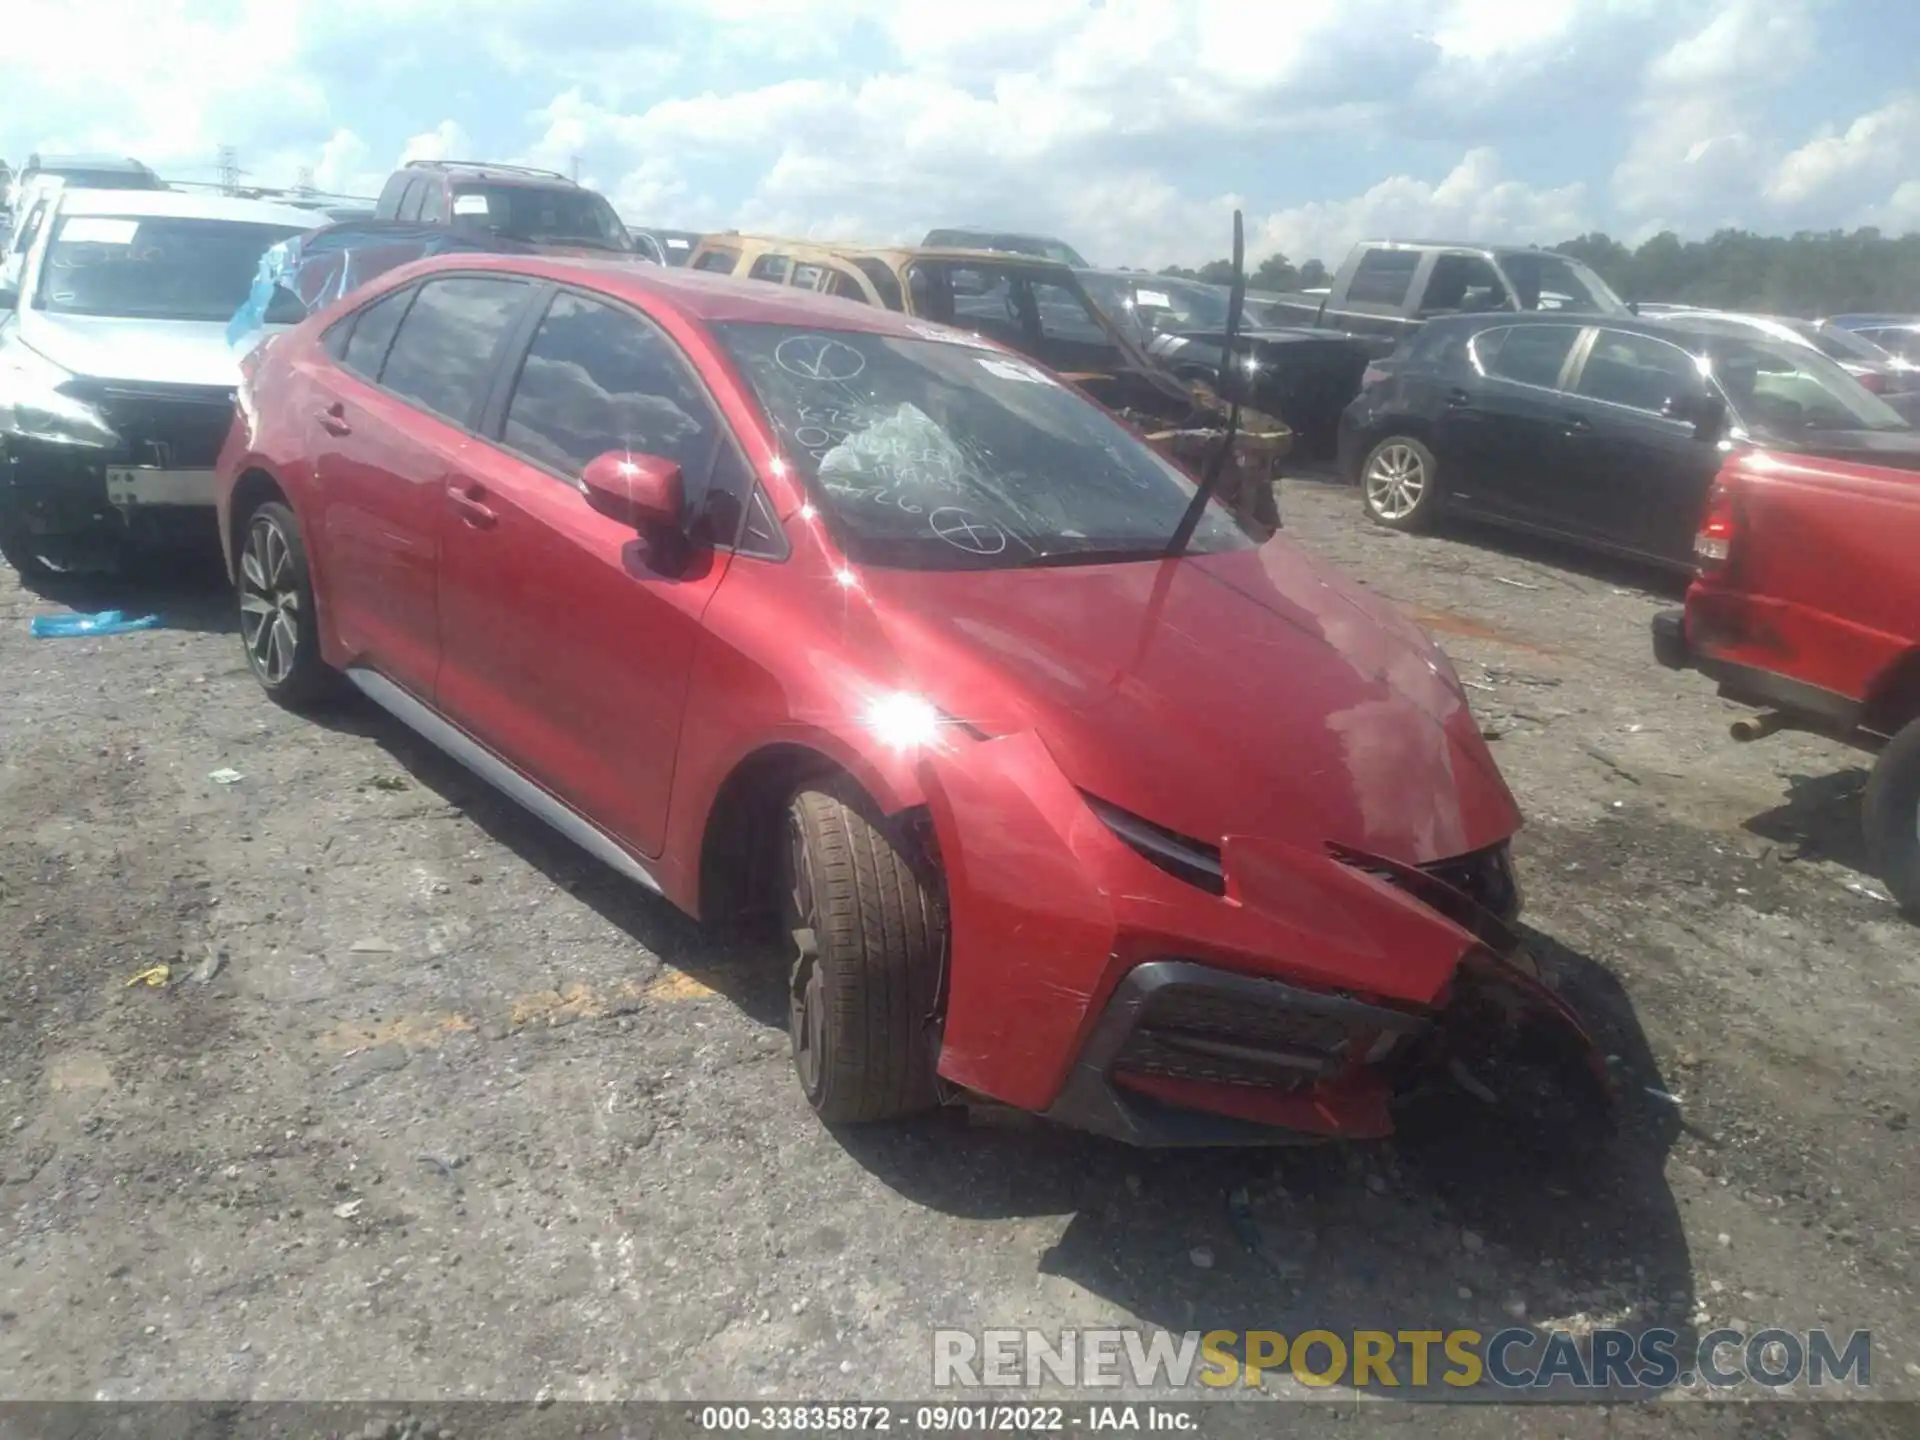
{"type": "Point", "coordinates": [919, 616]}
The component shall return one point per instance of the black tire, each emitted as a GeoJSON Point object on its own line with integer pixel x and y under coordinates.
{"type": "Point", "coordinates": [272, 572]}
{"type": "Point", "coordinates": [868, 936]}
{"type": "Point", "coordinates": [1892, 814]}
{"type": "Point", "coordinates": [1400, 484]}
{"type": "Point", "coordinates": [18, 549]}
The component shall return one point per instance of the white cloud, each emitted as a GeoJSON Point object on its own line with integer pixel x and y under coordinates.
{"type": "Point", "coordinates": [1473, 201]}
{"type": "Point", "coordinates": [1854, 164]}
{"type": "Point", "coordinates": [1130, 127]}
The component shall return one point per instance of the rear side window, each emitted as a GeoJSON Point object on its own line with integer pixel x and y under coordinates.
{"type": "Point", "coordinates": [1528, 354]}
{"type": "Point", "coordinates": [720, 261]}
{"type": "Point", "coordinates": [845, 287]}
{"type": "Point", "coordinates": [443, 356]}
{"type": "Point", "coordinates": [770, 267]}
{"type": "Point", "coordinates": [372, 334]}
{"type": "Point", "coordinates": [1383, 276]}
{"type": "Point", "coordinates": [884, 282]}
{"type": "Point", "coordinates": [599, 379]}
{"type": "Point", "coordinates": [410, 202]}
{"type": "Point", "coordinates": [1637, 371]}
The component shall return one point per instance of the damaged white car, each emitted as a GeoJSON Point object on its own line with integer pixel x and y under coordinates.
{"type": "Point", "coordinates": [116, 376]}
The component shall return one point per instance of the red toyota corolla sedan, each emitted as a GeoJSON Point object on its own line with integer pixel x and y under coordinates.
{"type": "Point", "coordinates": [820, 618]}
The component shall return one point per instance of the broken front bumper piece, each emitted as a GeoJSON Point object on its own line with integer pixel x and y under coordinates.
{"type": "Point", "coordinates": [1090, 986]}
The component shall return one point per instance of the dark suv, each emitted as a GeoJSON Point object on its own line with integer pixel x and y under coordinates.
{"type": "Point", "coordinates": [515, 202]}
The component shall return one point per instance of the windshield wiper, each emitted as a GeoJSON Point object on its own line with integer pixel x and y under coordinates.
{"type": "Point", "coordinates": [1092, 555]}
{"type": "Point", "coordinates": [1216, 466]}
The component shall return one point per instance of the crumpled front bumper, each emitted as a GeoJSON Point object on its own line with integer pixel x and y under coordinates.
{"type": "Point", "coordinates": [1087, 984]}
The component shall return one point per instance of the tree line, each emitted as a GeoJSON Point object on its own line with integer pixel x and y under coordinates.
{"type": "Point", "coordinates": [1812, 273]}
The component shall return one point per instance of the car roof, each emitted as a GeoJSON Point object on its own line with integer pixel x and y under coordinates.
{"type": "Point", "coordinates": [186, 205]}
{"type": "Point", "coordinates": [124, 163]}
{"type": "Point", "coordinates": [1685, 328]}
{"type": "Point", "coordinates": [696, 294]}
{"type": "Point", "coordinates": [889, 255]}
{"type": "Point", "coordinates": [1472, 246]}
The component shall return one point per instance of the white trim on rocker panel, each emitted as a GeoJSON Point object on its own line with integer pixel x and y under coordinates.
{"type": "Point", "coordinates": [497, 773]}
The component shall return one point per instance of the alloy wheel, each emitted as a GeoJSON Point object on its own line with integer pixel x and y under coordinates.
{"type": "Point", "coordinates": [269, 601]}
{"type": "Point", "coordinates": [1396, 481]}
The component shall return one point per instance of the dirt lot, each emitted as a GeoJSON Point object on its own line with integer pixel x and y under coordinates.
{"type": "Point", "coordinates": [460, 1113]}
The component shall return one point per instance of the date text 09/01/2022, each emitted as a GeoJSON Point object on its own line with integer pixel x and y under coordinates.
{"type": "Point", "coordinates": [938, 1419]}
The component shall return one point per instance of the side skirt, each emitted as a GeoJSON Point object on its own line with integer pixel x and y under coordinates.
{"type": "Point", "coordinates": [462, 747]}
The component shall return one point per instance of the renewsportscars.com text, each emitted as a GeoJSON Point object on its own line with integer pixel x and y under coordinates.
{"type": "Point", "coordinates": [1513, 1359]}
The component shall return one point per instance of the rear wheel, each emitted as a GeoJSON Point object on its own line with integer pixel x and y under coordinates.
{"type": "Point", "coordinates": [278, 626]}
{"type": "Point", "coordinates": [1893, 817]}
{"type": "Point", "coordinates": [867, 936]}
{"type": "Point", "coordinates": [1400, 484]}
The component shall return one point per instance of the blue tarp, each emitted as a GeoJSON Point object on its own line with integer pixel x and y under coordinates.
{"type": "Point", "coordinates": [317, 268]}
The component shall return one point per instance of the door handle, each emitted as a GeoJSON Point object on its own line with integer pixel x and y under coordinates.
{"type": "Point", "coordinates": [333, 419]}
{"type": "Point", "coordinates": [1458, 399]}
{"type": "Point", "coordinates": [469, 500]}
{"type": "Point", "coordinates": [1575, 426]}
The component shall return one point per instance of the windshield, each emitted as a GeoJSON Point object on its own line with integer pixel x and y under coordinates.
{"type": "Point", "coordinates": [153, 267]}
{"type": "Point", "coordinates": [1545, 281]}
{"type": "Point", "coordinates": [541, 215]}
{"type": "Point", "coordinates": [1841, 345]}
{"type": "Point", "coordinates": [1785, 389]}
{"type": "Point", "coordinates": [935, 455]}
{"type": "Point", "coordinates": [1157, 302]}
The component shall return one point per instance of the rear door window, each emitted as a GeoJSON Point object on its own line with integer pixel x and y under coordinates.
{"type": "Point", "coordinates": [1637, 371]}
{"type": "Point", "coordinates": [411, 202]}
{"type": "Point", "coordinates": [719, 261]}
{"type": "Point", "coordinates": [372, 334]}
{"type": "Point", "coordinates": [443, 356]}
{"type": "Point", "coordinates": [772, 268]}
{"type": "Point", "coordinates": [600, 379]}
{"type": "Point", "coordinates": [1382, 277]}
{"type": "Point", "coordinates": [1526, 354]}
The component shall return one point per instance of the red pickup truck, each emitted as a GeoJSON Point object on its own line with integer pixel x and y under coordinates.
{"type": "Point", "coordinates": [1807, 604]}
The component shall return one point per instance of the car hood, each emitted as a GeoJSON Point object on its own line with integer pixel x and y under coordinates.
{"type": "Point", "coordinates": [1252, 693]}
{"type": "Point", "coordinates": [178, 352]}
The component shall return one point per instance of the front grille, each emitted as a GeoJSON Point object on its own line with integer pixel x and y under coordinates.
{"type": "Point", "coordinates": [1484, 876]}
{"type": "Point", "coordinates": [172, 427]}
{"type": "Point", "coordinates": [1193, 1033]}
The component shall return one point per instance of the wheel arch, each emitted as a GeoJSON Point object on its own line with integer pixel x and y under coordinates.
{"type": "Point", "coordinates": [255, 487]}
{"type": "Point", "coordinates": [1893, 700]}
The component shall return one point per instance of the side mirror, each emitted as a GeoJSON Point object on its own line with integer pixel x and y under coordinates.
{"type": "Point", "coordinates": [1706, 413]}
{"type": "Point", "coordinates": [644, 490]}
{"type": "Point", "coordinates": [1633, 307]}
{"type": "Point", "coordinates": [285, 308]}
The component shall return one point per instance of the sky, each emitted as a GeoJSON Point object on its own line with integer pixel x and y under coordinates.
{"type": "Point", "coordinates": [1130, 128]}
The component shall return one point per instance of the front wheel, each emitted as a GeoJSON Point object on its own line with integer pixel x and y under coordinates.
{"type": "Point", "coordinates": [278, 626]}
{"type": "Point", "coordinates": [1892, 814]}
{"type": "Point", "coordinates": [868, 936]}
{"type": "Point", "coordinates": [1400, 484]}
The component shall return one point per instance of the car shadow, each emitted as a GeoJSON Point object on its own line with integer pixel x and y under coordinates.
{"type": "Point", "coordinates": [188, 592]}
{"type": "Point", "coordinates": [1820, 819]}
{"type": "Point", "coordinates": [747, 974]}
{"type": "Point", "coordinates": [1448, 1225]}
{"type": "Point", "coordinates": [1558, 555]}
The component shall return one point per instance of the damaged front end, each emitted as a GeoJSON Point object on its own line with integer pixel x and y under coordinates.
{"type": "Point", "coordinates": [1301, 1001]}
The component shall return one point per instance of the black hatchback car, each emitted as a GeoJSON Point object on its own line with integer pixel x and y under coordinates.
{"type": "Point", "coordinates": [1607, 432]}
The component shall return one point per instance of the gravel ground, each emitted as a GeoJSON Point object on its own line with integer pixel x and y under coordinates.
{"type": "Point", "coordinates": [435, 1106]}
